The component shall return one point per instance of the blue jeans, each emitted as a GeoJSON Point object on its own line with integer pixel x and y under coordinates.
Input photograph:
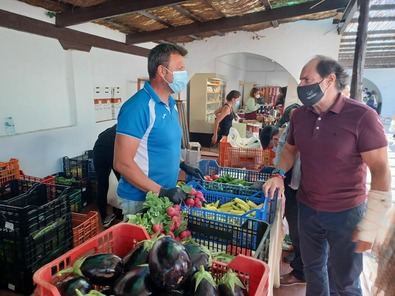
{"type": "Point", "coordinates": [326, 245]}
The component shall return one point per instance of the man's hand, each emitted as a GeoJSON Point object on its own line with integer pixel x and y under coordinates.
{"type": "Point", "coordinates": [176, 195]}
{"type": "Point", "coordinates": [361, 246]}
{"type": "Point", "coordinates": [190, 170]}
{"type": "Point", "coordinates": [214, 139]}
{"type": "Point", "coordinates": [273, 184]}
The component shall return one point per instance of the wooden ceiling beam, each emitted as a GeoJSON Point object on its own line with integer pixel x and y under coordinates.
{"type": "Point", "coordinates": [374, 44]}
{"type": "Point", "coordinates": [235, 22]}
{"type": "Point", "coordinates": [352, 40]}
{"type": "Point", "coordinates": [69, 38]}
{"type": "Point", "coordinates": [382, 7]}
{"type": "Point", "coordinates": [268, 6]}
{"type": "Point", "coordinates": [349, 12]}
{"type": "Point", "coordinates": [377, 19]}
{"type": "Point", "coordinates": [110, 8]}
{"type": "Point", "coordinates": [370, 33]}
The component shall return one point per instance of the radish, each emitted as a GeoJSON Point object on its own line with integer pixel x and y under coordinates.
{"type": "Point", "coordinates": [198, 203]}
{"type": "Point", "coordinates": [171, 212]}
{"type": "Point", "coordinates": [193, 192]}
{"type": "Point", "coordinates": [171, 234]}
{"type": "Point", "coordinates": [157, 228]}
{"type": "Point", "coordinates": [190, 202]}
{"type": "Point", "coordinates": [177, 208]}
{"type": "Point", "coordinates": [185, 234]}
{"type": "Point", "coordinates": [200, 196]}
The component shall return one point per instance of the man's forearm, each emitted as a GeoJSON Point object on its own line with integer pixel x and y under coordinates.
{"type": "Point", "coordinates": [287, 159]}
{"type": "Point", "coordinates": [381, 180]}
{"type": "Point", "coordinates": [134, 175]}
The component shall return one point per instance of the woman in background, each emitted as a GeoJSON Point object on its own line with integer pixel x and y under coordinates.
{"type": "Point", "coordinates": [251, 105]}
{"type": "Point", "coordinates": [224, 117]}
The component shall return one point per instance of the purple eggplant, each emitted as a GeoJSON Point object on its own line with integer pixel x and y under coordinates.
{"type": "Point", "coordinates": [230, 285]}
{"type": "Point", "coordinates": [169, 263]}
{"type": "Point", "coordinates": [102, 269]}
{"type": "Point", "coordinates": [134, 282]}
{"type": "Point", "coordinates": [199, 256]}
{"type": "Point", "coordinates": [138, 256]}
{"type": "Point", "coordinates": [202, 284]}
{"type": "Point", "coordinates": [68, 286]}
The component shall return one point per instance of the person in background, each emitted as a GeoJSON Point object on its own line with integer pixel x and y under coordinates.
{"type": "Point", "coordinates": [372, 101]}
{"type": "Point", "coordinates": [251, 105]}
{"type": "Point", "coordinates": [291, 183]}
{"type": "Point", "coordinates": [338, 139]}
{"type": "Point", "coordinates": [269, 136]}
{"type": "Point", "coordinates": [103, 155]}
{"type": "Point", "coordinates": [148, 140]}
{"type": "Point", "coordinates": [224, 117]}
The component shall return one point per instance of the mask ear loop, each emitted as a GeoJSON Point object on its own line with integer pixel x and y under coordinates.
{"type": "Point", "coordinates": [164, 76]}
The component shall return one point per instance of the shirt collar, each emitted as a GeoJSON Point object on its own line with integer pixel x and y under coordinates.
{"type": "Point", "coordinates": [148, 88]}
{"type": "Point", "coordinates": [337, 106]}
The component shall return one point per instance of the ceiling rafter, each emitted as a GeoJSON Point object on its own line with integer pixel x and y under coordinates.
{"type": "Point", "coordinates": [372, 32]}
{"type": "Point", "coordinates": [352, 40]}
{"type": "Point", "coordinates": [235, 22]}
{"type": "Point", "coordinates": [382, 7]}
{"type": "Point", "coordinates": [377, 19]}
{"type": "Point", "coordinates": [107, 9]}
{"type": "Point", "coordinates": [161, 21]}
{"type": "Point", "coordinates": [268, 6]}
{"type": "Point", "coordinates": [69, 38]}
{"type": "Point", "coordinates": [343, 46]}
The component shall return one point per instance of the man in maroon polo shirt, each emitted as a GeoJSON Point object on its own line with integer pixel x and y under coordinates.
{"type": "Point", "coordinates": [337, 138]}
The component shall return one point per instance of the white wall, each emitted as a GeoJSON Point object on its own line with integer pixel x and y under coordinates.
{"type": "Point", "coordinates": [74, 75]}
{"type": "Point", "coordinates": [291, 45]}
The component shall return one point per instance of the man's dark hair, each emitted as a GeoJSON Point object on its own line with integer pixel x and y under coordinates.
{"type": "Point", "coordinates": [233, 94]}
{"type": "Point", "coordinates": [160, 55]}
{"type": "Point", "coordinates": [327, 66]}
{"type": "Point", "coordinates": [266, 135]}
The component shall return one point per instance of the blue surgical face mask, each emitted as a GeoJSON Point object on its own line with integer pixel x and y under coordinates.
{"type": "Point", "coordinates": [180, 80]}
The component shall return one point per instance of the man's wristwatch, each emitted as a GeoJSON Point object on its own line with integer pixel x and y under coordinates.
{"type": "Point", "coordinates": [278, 173]}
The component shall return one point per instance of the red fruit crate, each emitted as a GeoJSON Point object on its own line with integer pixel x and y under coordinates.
{"type": "Point", "coordinates": [9, 171]}
{"type": "Point", "coordinates": [85, 226]}
{"type": "Point", "coordinates": [248, 158]}
{"type": "Point", "coordinates": [121, 238]}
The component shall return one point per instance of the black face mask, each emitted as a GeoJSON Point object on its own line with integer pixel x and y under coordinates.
{"type": "Point", "coordinates": [310, 94]}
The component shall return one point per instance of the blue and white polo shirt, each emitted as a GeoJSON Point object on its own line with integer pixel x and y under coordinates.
{"type": "Point", "coordinates": [145, 117]}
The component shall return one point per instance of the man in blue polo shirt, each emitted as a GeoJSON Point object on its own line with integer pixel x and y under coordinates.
{"type": "Point", "coordinates": [148, 141]}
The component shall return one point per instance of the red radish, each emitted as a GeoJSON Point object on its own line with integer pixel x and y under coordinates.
{"type": "Point", "coordinates": [193, 191]}
{"type": "Point", "coordinates": [189, 202]}
{"type": "Point", "coordinates": [173, 226]}
{"type": "Point", "coordinates": [157, 228]}
{"type": "Point", "coordinates": [207, 178]}
{"type": "Point", "coordinates": [200, 196]}
{"type": "Point", "coordinates": [215, 177]}
{"type": "Point", "coordinates": [177, 208]}
{"type": "Point", "coordinates": [185, 234]}
{"type": "Point", "coordinates": [171, 212]}
{"type": "Point", "coordinates": [198, 203]}
{"type": "Point", "coordinates": [177, 222]}
{"type": "Point", "coordinates": [171, 234]}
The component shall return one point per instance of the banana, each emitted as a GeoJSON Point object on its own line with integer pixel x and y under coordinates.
{"type": "Point", "coordinates": [241, 202]}
{"type": "Point", "coordinates": [251, 204]}
{"type": "Point", "coordinates": [238, 212]}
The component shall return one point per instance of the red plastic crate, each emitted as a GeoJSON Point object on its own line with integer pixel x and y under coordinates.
{"type": "Point", "coordinates": [248, 158]}
{"type": "Point", "coordinates": [85, 226]}
{"type": "Point", "coordinates": [121, 238]}
{"type": "Point", "coordinates": [9, 171]}
{"type": "Point", "coordinates": [46, 180]}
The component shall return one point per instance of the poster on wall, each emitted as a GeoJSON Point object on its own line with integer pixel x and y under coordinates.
{"type": "Point", "coordinates": [107, 103]}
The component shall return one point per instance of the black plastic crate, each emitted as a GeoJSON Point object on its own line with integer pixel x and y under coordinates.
{"type": "Point", "coordinates": [79, 194]}
{"type": "Point", "coordinates": [79, 167]}
{"type": "Point", "coordinates": [19, 259]}
{"type": "Point", "coordinates": [29, 212]}
{"type": "Point", "coordinates": [245, 238]}
{"type": "Point", "coordinates": [14, 188]}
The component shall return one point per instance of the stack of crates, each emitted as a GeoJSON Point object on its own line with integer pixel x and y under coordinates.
{"type": "Point", "coordinates": [79, 173]}
{"type": "Point", "coordinates": [35, 228]}
{"type": "Point", "coordinates": [246, 234]}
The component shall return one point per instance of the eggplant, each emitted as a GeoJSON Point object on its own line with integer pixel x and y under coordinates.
{"type": "Point", "coordinates": [102, 269]}
{"type": "Point", "coordinates": [68, 286]}
{"type": "Point", "coordinates": [134, 282]}
{"type": "Point", "coordinates": [138, 256]}
{"type": "Point", "coordinates": [202, 284]}
{"type": "Point", "coordinates": [199, 256]}
{"type": "Point", "coordinates": [230, 285]}
{"type": "Point", "coordinates": [169, 263]}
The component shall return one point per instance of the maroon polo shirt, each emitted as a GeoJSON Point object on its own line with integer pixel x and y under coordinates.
{"type": "Point", "coordinates": [330, 146]}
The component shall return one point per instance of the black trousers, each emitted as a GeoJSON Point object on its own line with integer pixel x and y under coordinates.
{"type": "Point", "coordinates": [102, 160]}
{"type": "Point", "coordinates": [291, 214]}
